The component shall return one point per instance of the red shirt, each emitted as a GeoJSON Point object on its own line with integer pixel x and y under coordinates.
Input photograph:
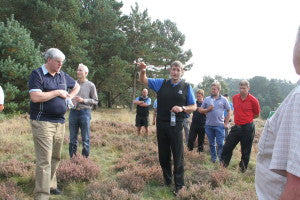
{"type": "Point", "coordinates": [244, 110]}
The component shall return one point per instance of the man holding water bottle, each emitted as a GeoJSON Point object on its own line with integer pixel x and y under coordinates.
{"type": "Point", "coordinates": [174, 98]}
{"type": "Point", "coordinates": [213, 106]}
{"type": "Point", "coordinates": [48, 87]}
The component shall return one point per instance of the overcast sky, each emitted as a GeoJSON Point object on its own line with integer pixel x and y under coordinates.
{"type": "Point", "coordinates": [232, 38]}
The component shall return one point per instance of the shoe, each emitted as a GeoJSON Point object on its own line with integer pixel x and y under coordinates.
{"type": "Point", "coordinates": [200, 150]}
{"type": "Point", "coordinates": [55, 191]}
{"type": "Point", "coordinates": [242, 166]}
{"type": "Point", "coordinates": [168, 183]}
{"type": "Point", "coordinates": [176, 191]}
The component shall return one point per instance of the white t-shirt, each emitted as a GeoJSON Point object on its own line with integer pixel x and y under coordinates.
{"type": "Point", "coordinates": [279, 148]}
{"type": "Point", "coordinates": [1, 96]}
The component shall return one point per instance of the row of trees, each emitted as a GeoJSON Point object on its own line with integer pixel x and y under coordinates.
{"type": "Point", "coordinates": [93, 32]}
{"type": "Point", "coordinates": [98, 34]}
{"type": "Point", "coordinates": [270, 93]}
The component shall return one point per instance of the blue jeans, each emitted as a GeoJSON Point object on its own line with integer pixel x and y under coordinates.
{"type": "Point", "coordinates": [79, 119]}
{"type": "Point", "coordinates": [215, 134]}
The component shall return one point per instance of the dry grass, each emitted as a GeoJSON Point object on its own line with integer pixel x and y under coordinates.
{"type": "Point", "coordinates": [129, 164]}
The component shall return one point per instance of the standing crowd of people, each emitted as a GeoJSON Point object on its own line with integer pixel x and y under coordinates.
{"type": "Point", "coordinates": [52, 92]}
{"type": "Point", "coordinates": [211, 115]}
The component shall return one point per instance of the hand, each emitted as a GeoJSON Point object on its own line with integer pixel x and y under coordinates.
{"type": "Point", "coordinates": [142, 66]}
{"type": "Point", "coordinates": [211, 107]}
{"type": "Point", "coordinates": [78, 99]}
{"type": "Point", "coordinates": [62, 93]}
{"type": "Point", "coordinates": [177, 109]}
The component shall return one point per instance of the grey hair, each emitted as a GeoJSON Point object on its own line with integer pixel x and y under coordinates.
{"type": "Point", "coordinates": [217, 84]}
{"type": "Point", "coordinates": [244, 83]}
{"type": "Point", "coordinates": [85, 68]}
{"type": "Point", "coordinates": [177, 64]}
{"type": "Point", "coordinates": [54, 53]}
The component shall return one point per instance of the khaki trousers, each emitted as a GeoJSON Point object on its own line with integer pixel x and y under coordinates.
{"type": "Point", "coordinates": [48, 140]}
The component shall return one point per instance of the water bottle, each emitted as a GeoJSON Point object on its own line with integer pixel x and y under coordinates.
{"type": "Point", "coordinates": [69, 103]}
{"type": "Point", "coordinates": [212, 101]}
{"type": "Point", "coordinates": [173, 119]}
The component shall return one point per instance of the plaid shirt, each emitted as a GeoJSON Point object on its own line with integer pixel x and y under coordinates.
{"type": "Point", "coordinates": [279, 148]}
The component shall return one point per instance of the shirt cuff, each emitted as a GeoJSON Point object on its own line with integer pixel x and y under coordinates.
{"type": "Point", "coordinates": [35, 90]}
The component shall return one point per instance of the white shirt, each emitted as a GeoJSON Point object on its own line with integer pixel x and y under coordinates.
{"type": "Point", "coordinates": [1, 96]}
{"type": "Point", "coordinates": [279, 148]}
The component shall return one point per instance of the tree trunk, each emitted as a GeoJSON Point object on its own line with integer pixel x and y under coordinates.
{"type": "Point", "coordinates": [134, 86]}
{"type": "Point", "coordinates": [109, 103]}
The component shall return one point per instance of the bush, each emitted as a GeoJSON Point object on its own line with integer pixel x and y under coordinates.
{"type": "Point", "coordinates": [220, 177]}
{"type": "Point", "coordinates": [194, 192]}
{"type": "Point", "coordinates": [9, 191]}
{"type": "Point", "coordinates": [78, 168]}
{"type": "Point", "coordinates": [107, 190]}
{"type": "Point", "coordinates": [265, 111]}
{"type": "Point", "coordinates": [131, 181]}
{"type": "Point", "coordinates": [15, 168]}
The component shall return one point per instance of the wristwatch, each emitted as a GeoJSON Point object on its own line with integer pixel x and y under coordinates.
{"type": "Point", "coordinates": [183, 108]}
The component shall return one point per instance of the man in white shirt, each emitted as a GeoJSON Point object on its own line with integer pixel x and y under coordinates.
{"type": "Point", "coordinates": [277, 174]}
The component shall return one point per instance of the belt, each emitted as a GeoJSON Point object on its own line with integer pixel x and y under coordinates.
{"type": "Point", "coordinates": [80, 109]}
{"type": "Point", "coordinates": [243, 125]}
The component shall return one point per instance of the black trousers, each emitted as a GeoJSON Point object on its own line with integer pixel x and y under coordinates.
{"type": "Point", "coordinates": [243, 134]}
{"type": "Point", "coordinates": [196, 129]}
{"type": "Point", "coordinates": [170, 141]}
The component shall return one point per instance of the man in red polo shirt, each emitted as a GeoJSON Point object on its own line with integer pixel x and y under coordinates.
{"type": "Point", "coordinates": [246, 108]}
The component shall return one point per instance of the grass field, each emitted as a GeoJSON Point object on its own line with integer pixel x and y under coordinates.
{"type": "Point", "coordinates": [122, 165]}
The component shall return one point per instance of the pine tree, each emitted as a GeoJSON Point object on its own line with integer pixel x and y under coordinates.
{"type": "Point", "coordinates": [18, 57]}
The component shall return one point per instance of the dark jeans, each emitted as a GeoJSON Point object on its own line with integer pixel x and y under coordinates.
{"type": "Point", "coordinates": [170, 142]}
{"type": "Point", "coordinates": [79, 119]}
{"type": "Point", "coordinates": [243, 134]}
{"type": "Point", "coordinates": [197, 129]}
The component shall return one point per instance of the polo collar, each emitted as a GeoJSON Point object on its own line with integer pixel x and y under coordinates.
{"type": "Point", "coordinates": [45, 71]}
{"type": "Point", "coordinates": [219, 97]}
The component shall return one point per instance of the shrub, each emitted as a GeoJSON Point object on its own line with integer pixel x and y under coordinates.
{"type": "Point", "coordinates": [123, 164]}
{"type": "Point", "coordinates": [197, 176]}
{"type": "Point", "coordinates": [15, 168]}
{"type": "Point", "coordinates": [9, 191]}
{"type": "Point", "coordinates": [194, 192]}
{"type": "Point", "coordinates": [107, 190]}
{"type": "Point", "coordinates": [78, 168]}
{"type": "Point", "coordinates": [130, 181]}
{"type": "Point", "coordinates": [219, 177]}
{"type": "Point", "coordinates": [149, 174]}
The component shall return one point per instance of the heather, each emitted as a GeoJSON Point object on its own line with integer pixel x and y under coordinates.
{"type": "Point", "coordinates": [121, 166]}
